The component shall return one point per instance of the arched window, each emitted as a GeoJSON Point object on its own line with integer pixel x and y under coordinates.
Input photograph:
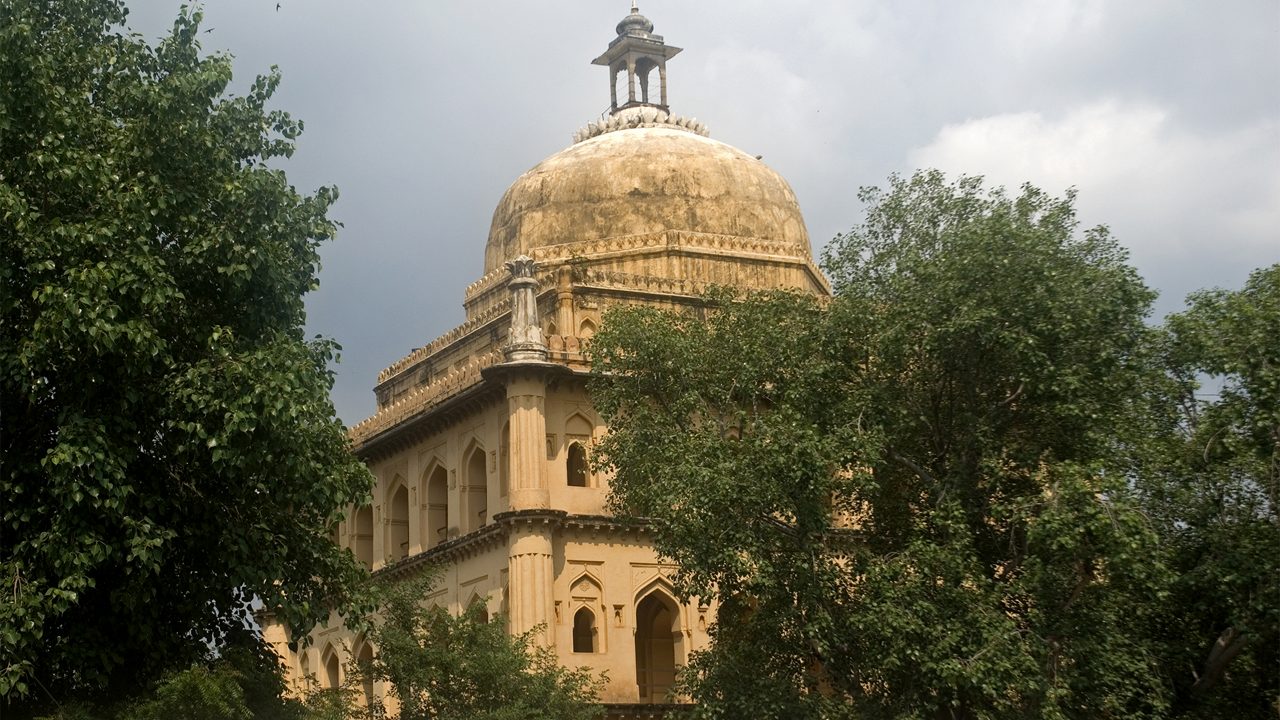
{"type": "Point", "coordinates": [584, 631]}
{"type": "Point", "coordinates": [437, 530]}
{"type": "Point", "coordinates": [587, 329]}
{"type": "Point", "coordinates": [478, 608]}
{"type": "Point", "coordinates": [398, 524]}
{"type": "Point", "coordinates": [577, 465]}
{"type": "Point", "coordinates": [330, 668]}
{"type": "Point", "coordinates": [477, 506]}
{"type": "Point", "coordinates": [304, 667]}
{"type": "Point", "coordinates": [362, 536]}
{"type": "Point", "coordinates": [364, 661]}
{"type": "Point", "coordinates": [655, 647]}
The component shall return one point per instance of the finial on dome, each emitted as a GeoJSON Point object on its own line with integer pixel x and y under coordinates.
{"type": "Point", "coordinates": [637, 51]}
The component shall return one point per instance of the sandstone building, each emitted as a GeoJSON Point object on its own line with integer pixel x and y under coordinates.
{"type": "Point", "coordinates": [481, 437]}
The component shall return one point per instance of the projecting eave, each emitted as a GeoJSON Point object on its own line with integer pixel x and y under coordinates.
{"type": "Point", "coordinates": [623, 45]}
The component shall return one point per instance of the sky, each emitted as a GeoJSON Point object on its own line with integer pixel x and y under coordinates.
{"type": "Point", "coordinates": [1164, 115]}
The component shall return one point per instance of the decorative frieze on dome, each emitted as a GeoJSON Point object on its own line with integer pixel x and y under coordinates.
{"type": "Point", "coordinates": [640, 117]}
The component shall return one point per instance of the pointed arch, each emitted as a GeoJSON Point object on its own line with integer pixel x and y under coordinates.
{"type": "Point", "coordinates": [585, 586]}
{"type": "Point", "coordinates": [397, 538]}
{"type": "Point", "coordinates": [478, 604]}
{"type": "Point", "coordinates": [578, 430]}
{"type": "Point", "coordinates": [332, 666]}
{"type": "Point", "coordinates": [304, 668]}
{"type": "Point", "coordinates": [364, 662]}
{"type": "Point", "coordinates": [436, 495]}
{"type": "Point", "coordinates": [577, 472]}
{"type": "Point", "coordinates": [584, 631]}
{"type": "Point", "coordinates": [657, 645]}
{"type": "Point", "coordinates": [362, 535]}
{"type": "Point", "coordinates": [579, 425]}
{"type": "Point", "coordinates": [587, 329]}
{"type": "Point", "coordinates": [476, 482]}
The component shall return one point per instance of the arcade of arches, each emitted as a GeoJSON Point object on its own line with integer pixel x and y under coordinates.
{"type": "Point", "coordinates": [482, 440]}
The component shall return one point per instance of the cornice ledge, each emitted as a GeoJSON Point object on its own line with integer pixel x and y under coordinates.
{"type": "Point", "coordinates": [422, 398]}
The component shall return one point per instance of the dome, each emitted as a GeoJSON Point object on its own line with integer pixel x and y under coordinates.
{"type": "Point", "coordinates": [634, 22]}
{"type": "Point", "coordinates": [644, 178]}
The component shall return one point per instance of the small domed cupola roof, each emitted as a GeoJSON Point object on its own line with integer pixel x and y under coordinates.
{"type": "Point", "coordinates": [635, 24]}
{"type": "Point", "coordinates": [637, 51]}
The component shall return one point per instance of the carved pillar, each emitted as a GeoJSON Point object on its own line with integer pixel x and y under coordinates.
{"type": "Point", "coordinates": [526, 369]}
{"type": "Point", "coordinates": [531, 579]}
{"type": "Point", "coordinates": [525, 342]}
{"type": "Point", "coordinates": [631, 80]}
{"type": "Point", "coordinates": [527, 415]}
{"type": "Point", "coordinates": [662, 78]}
{"type": "Point", "coordinates": [564, 302]}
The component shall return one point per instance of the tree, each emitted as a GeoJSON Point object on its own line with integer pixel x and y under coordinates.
{"type": "Point", "coordinates": [442, 667]}
{"type": "Point", "coordinates": [911, 500]}
{"type": "Point", "coordinates": [170, 451]}
{"type": "Point", "coordinates": [1213, 488]}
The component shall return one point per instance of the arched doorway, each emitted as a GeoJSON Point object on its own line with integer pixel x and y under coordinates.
{"type": "Point", "coordinates": [477, 482]}
{"type": "Point", "coordinates": [364, 660]}
{"type": "Point", "coordinates": [437, 530]}
{"type": "Point", "coordinates": [331, 678]}
{"type": "Point", "coordinates": [362, 538]}
{"type": "Point", "coordinates": [398, 525]}
{"type": "Point", "coordinates": [656, 635]}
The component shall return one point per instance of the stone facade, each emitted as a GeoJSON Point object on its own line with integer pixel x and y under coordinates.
{"type": "Point", "coordinates": [481, 437]}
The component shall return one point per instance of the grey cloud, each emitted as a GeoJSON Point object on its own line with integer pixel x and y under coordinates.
{"type": "Point", "coordinates": [423, 112]}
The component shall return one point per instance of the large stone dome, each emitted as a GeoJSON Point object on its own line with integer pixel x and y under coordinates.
{"type": "Point", "coordinates": [632, 177]}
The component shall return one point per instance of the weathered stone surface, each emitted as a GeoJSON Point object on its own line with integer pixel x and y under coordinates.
{"type": "Point", "coordinates": [644, 180]}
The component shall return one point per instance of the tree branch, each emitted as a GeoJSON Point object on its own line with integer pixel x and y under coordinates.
{"type": "Point", "coordinates": [1225, 649]}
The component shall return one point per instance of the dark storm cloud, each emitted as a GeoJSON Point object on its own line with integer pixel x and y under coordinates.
{"type": "Point", "coordinates": [1165, 115]}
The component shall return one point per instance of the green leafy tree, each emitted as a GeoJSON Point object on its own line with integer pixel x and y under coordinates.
{"type": "Point", "coordinates": [1213, 488]}
{"type": "Point", "coordinates": [911, 500]}
{"type": "Point", "coordinates": [245, 683]}
{"type": "Point", "coordinates": [170, 451]}
{"type": "Point", "coordinates": [442, 667]}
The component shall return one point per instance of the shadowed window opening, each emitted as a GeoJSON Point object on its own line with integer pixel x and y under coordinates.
{"type": "Point", "coordinates": [398, 529]}
{"type": "Point", "coordinates": [584, 631]}
{"type": "Point", "coordinates": [577, 465]}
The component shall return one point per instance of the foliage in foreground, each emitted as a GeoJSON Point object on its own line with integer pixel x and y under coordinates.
{"type": "Point", "coordinates": [1212, 487]}
{"type": "Point", "coordinates": [442, 667]}
{"type": "Point", "coordinates": [435, 667]}
{"type": "Point", "coordinates": [170, 451]}
{"type": "Point", "coordinates": [242, 684]}
{"type": "Point", "coordinates": [917, 500]}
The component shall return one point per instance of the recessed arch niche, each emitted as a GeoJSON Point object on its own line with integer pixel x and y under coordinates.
{"type": "Point", "coordinates": [658, 645]}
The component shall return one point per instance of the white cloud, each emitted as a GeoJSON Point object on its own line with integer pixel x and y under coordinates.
{"type": "Point", "coordinates": [1167, 192]}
